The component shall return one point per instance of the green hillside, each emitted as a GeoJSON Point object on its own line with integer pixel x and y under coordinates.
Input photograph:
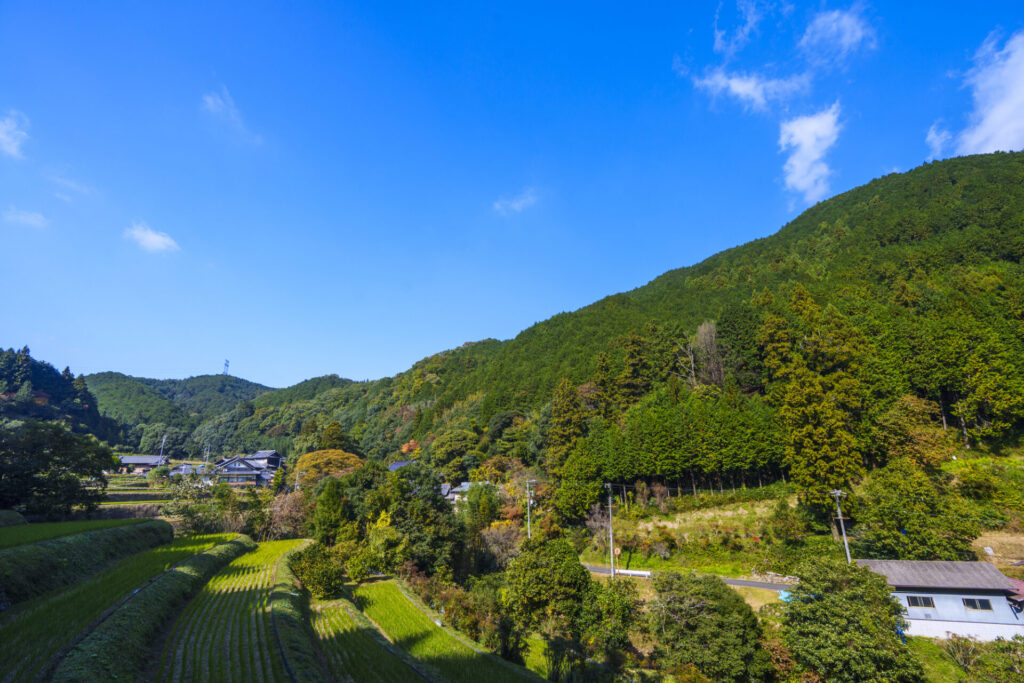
{"type": "Point", "coordinates": [131, 402]}
{"type": "Point", "coordinates": [912, 261]}
{"type": "Point", "coordinates": [206, 395]}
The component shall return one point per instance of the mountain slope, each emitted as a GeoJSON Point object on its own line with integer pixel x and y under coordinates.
{"type": "Point", "coordinates": [207, 395]}
{"type": "Point", "coordinates": [131, 402]}
{"type": "Point", "coordinates": [912, 259]}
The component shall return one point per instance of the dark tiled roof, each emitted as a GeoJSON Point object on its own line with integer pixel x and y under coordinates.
{"type": "Point", "coordinates": [943, 574]}
{"type": "Point", "coordinates": [143, 459]}
{"type": "Point", "coordinates": [259, 455]}
{"type": "Point", "coordinates": [398, 465]}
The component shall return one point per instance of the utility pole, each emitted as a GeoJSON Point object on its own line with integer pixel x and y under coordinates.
{"type": "Point", "coordinates": [162, 442]}
{"type": "Point", "coordinates": [837, 494]}
{"type": "Point", "coordinates": [529, 504]}
{"type": "Point", "coordinates": [611, 534]}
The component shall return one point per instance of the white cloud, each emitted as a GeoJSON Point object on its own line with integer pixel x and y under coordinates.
{"type": "Point", "coordinates": [12, 133]}
{"type": "Point", "coordinates": [149, 239]}
{"type": "Point", "coordinates": [997, 87]}
{"type": "Point", "coordinates": [70, 184]}
{"type": "Point", "coordinates": [834, 35]}
{"type": "Point", "coordinates": [937, 139]}
{"type": "Point", "coordinates": [751, 89]}
{"type": "Point", "coordinates": [517, 204]}
{"type": "Point", "coordinates": [730, 45]}
{"type": "Point", "coordinates": [30, 218]}
{"type": "Point", "coordinates": [809, 139]}
{"type": "Point", "coordinates": [222, 106]}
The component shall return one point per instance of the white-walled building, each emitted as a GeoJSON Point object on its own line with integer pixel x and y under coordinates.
{"type": "Point", "coordinates": [962, 598]}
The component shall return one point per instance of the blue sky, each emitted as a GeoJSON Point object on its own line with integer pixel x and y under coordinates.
{"type": "Point", "coordinates": [350, 187]}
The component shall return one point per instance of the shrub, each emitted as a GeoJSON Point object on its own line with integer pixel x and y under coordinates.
{"type": "Point", "coordinates": [289, 609]}
{"type": "Point", "coordinates": [119, 647]}
{"type": "Point", "coordinates": [962, 650]}
{"type": "Point", "coordinates": [319, 570]}
{"type": "Point", "coordinates": [11, 518]}
{"type": "Point", "coordinates": [27, 571]}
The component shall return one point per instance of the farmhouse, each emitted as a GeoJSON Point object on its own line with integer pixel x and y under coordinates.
{"type": "Point", "coordinates": [961, 598]}
{"type": "Point", "coordinates": [141, 464]}
{"type": "Point", "coordinates": [257, 469]}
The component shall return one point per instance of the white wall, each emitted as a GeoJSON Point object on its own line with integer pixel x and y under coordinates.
{"type": "Point", "coordinates": [949, 606]}
{"type": "Point", "coordinates": [931, 628]}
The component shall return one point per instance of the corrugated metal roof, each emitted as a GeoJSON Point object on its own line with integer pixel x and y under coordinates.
{"type": "Point", "coordinates": [940, 574]}
{"type": "Point", "coordinates": [143, 459]}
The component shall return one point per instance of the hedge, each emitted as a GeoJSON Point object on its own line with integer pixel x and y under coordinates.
{"type": "Point", "coordinates": [289, 610]}
{"type": "Point", "coordinates": [119, 648]}
{"type": "Point", "coordinates": [27, 571]}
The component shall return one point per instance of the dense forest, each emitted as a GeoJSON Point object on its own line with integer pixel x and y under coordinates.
{"type": "Point", "coordinates": [901, 299]}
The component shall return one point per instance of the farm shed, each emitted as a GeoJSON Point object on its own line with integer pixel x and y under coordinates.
{"type": "Point", "coordinates": [961, 598]}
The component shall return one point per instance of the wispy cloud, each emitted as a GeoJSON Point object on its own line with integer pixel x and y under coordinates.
{"type": "Point", "coordinates": [517, 204]}
{"type": "Point", "coordinates": [997, 87]}
{"type": "Point", "coordinates": [12, 133]}
{"type": "Point", "coordinates": [149, 239]}
{"type": "Point", "coordinates": [32, 219]}
{"type": "Point", "coordinates": [728, 44]}
{"type": "Point", "coordinates": [937, 139]}
{"type": "Point", "coordinates": [73, 185]}
{"type": "Point", "coordinates": [752, 89]}
{"type": "Point", "coordinates": [808, 139]}
{"type": "Point", "coordinates": [221, 105]}
{"type": "Point", "coordinates": [834, 35]}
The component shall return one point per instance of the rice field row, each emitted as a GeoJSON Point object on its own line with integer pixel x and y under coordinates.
{"type": "Point", "coordinates": [225, 633]}
{"type": "Point", "coordinates": [351, 652]}
{"type": "Point", "coordinates": [34, 632]}
{"type": "Point", "coordinates": [11, 536]}
{"type": "Point", "coordinates": [413, 631]}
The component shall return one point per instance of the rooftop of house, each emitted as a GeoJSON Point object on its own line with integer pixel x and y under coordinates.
{"type": "Point", "coordinates": [941, 575]}
{"type": "Point", "coordinates": [143, 459]}
{"type": "Point", "coordinates": [260, 455]}
{"type": "Point", "coordinates": [398, 465]}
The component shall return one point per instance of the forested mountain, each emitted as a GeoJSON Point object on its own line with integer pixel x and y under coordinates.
{"type": "Point", "coordinates": [207, 395]}
{"type": "Point", "coordinates": [130, 401]}
{"type": "Point", "coordinates": [32, 389]}
{"type": "Point", "coordinates": [900, 303]}
{"type": "Point", "coordinates": [920, 271]}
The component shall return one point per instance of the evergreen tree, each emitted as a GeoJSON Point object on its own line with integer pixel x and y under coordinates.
{"type": "Point", "coordinates": [568, 423]}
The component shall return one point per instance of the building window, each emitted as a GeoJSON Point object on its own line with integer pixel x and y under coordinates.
{"type": "Point", "coordinates": [920, 601]}
{"type": "Point", "coordinates": [977, 603]}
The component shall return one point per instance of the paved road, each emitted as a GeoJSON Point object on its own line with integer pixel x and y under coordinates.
{"type": "Point", "coordinates": [732, 582]}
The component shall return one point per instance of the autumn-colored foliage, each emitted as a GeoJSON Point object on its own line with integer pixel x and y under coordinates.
{"type": "Point", "coordinates": [327, 463]}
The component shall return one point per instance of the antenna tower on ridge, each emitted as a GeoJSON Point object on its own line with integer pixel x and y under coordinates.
{"type": "Point", "coordinates": [226, 364]}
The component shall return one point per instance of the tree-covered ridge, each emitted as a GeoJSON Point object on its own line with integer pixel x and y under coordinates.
{"type": "Point", "coordinates": [923, 268]}
{"type": "Point", "coordinates": [33, 389]}
{"type": "Point", "coordinates": [131, 402]}
{"type": "Point", "coordinates": [207, 395]}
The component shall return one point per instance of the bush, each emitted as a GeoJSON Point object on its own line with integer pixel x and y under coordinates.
{"type": "Point", "coordinates": [27, 571]}
{"type": "Point", "coordinates": [700, 621]}
{"type": "Point", "coordinates": [119, 648]}
{"type": "Point", "coordinates": [318, 570]}
{"type": "Point", "coordinates": [289, 609]}
{"type": "Point", "coordinates": [11, 518]}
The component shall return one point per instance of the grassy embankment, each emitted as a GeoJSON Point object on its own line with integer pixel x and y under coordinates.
{"type": "Point", "coordinates": [226, 631]}
{"type": "Point", "coordinates": [409, 628]}
{"type": "Point", "coordinates": [35, 631]}
{"type": "Point", "coordinates": [11, 536]}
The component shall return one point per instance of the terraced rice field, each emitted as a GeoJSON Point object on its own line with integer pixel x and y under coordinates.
{"type": "Point", "coordinates": [34, 632]}
{"type": "Point", "coordinates": [413, 631]}
{"type": "Point", "coordinates": [11, 536]}
{"type": "Point", "coordinates": [225, 633]}
{"type": "Point", "coordinates": [351, 652]}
